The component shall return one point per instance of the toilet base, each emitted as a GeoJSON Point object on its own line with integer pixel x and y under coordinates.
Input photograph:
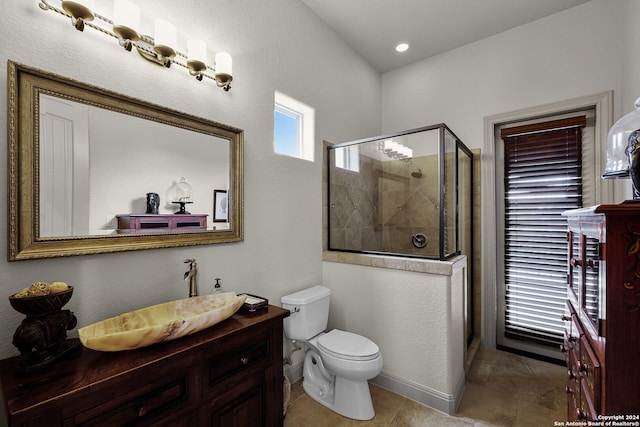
{"type": "Point", "coordinates": [351, 399]}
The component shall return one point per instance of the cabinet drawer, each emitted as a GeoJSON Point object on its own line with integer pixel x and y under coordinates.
{"type": "Point", "coordinates": [566, 347]}
{"type": "Point", "coordinates": [573, 384]}
{"type": "Point", "coordinates": [142, 402]}
{"type": "Point", "coordinates": [587, 407]}
{"type": "Point", "coordinates": [224, 365]}
{"type": "Point", "coordinates": [190, 419]}
{"type": "Point", "coordinates": [589, 368]}
{"type": "Point", "coordinates": [576, 333]}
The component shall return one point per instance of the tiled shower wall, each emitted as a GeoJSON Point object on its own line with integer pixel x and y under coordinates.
{"type": "Point", "coordinates": [339, 213]}
{"type": "Point", "coordinates": [383, 205]}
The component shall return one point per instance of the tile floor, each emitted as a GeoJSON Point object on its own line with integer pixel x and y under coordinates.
{"type": "Point", "coordinates": [502, 390]}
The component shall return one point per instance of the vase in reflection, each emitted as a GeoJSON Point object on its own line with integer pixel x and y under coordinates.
{"type": "Point", "coordinates": [153, 203]}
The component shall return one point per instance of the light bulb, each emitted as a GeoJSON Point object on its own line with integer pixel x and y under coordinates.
{"type": "Point", "coordinates": [223, 64]}
{"type": "Point", "coordinates": [197, 50]}
{"type": "Point", "coordinates": [126, 14]}
{"type": "Point", "coordinates": [165, 34]}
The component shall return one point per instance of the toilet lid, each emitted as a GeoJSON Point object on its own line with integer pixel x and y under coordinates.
{"type": "Point", "coordinates": [348, 345]}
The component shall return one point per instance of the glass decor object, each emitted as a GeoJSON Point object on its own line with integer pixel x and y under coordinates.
{"type": "Point", "coordinates": [183, 195]}
{"type": "Point", "coordinates": [623, 149]}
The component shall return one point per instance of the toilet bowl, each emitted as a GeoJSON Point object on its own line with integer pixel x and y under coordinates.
{"type": "Point", "coordinates": [350, 355]}
{"type": "Point", "coordinates": [337, 364]}
{"type": "Point", "coordinates": [340, 381]}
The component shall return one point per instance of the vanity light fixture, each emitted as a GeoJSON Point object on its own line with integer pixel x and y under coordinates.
{"type": "Point", "coordinates": [166, 36]}
{"type": "Point", "coordinates": [196, 57]}
{"type": "Point", "coordinates": [78, 13]}
{"type": "Point", "coordinates": [126, 17]}
{"type": "Point", "coordinates": [159, 49]}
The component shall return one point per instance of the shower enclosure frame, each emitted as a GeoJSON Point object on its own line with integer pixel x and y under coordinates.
{"type": "Point", "coordinates": [443, 254]}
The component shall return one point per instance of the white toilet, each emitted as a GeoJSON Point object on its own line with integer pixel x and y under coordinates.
{"type": "Point", "coordinates": [337, 364]}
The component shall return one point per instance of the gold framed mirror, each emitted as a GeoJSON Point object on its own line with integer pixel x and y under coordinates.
{"type": "Point", "coordinates": [128, 148]}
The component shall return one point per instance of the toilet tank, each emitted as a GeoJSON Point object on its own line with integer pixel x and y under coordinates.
{"type": "Point", "coordinates": [309, 312]}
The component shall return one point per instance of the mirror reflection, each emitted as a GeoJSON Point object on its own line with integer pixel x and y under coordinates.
{"type": "Point", "coordinates": [93, 171]}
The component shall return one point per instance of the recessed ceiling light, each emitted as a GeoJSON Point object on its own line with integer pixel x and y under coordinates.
{"type": "Point", "coordinates": [402, 47]}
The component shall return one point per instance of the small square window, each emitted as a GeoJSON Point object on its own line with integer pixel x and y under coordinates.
{"type": "Point", "coordinates": [293, 127]}
{"type": "Point", "coordinates": [348, 158]}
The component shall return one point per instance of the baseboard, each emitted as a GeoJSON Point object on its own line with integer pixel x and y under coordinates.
{"type": "Point", "coordinates": [294, 372]}
{"type": "Point", "coordinates": [435, 399]}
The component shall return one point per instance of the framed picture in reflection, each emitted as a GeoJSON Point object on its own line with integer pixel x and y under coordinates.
{"type": "Point", "coordinates": [220, 206]}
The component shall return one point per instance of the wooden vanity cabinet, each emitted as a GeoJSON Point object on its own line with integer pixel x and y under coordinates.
{"type": "Point", "coordinates": [602, 330]}
{"type": "Point", "coordinates": [227, 375]}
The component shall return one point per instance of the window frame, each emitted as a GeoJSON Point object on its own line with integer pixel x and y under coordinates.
{"type": "Point", "coordinates": [304, 116]}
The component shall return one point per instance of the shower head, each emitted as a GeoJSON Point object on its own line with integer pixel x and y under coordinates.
{"type": "Point", "coordinates": [417, 173]}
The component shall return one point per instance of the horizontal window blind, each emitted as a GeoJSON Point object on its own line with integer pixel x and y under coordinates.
{"type": "Point", "coordinates": [542, 178]}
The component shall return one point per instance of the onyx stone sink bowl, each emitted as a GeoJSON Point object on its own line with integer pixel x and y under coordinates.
{"type": "Point", "coordinates": [162, 322]}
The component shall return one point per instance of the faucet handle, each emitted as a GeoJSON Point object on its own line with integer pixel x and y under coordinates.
{"type": "Point", "coordinates": [189, 260]}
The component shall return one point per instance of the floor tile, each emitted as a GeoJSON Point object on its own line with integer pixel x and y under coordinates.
{"type": "Point", "coordinates": [502, 390]}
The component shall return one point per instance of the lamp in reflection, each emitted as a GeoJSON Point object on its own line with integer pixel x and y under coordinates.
{"type": "Point", "coordinates": [159, 48]}
{"type": "Point", "coordinates": [183, 195]}
{"type": "Point", "coordinates": [395, 150]}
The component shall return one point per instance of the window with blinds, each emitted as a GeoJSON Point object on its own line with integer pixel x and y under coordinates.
{"type": "Point", "coordinates": [542, 178]}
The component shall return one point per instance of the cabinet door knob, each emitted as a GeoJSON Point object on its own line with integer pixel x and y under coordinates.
{"type": "Point", "coordinates": [142, 411]}
{"type": "Point", "coordinates": [568, 390]}
{"type": "Point", "coordinates": [582, 367]}
{"type": "Point", "coordinates": [575, 262]}
{"type": "Point", "coordinates": [565, 317]}
{"type": "Point", "coordinates": [244, 360]}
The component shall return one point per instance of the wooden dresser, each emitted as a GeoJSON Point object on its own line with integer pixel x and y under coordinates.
{"type": "Point", "coordinates": [150, 223]}
{"type": "Point", "coordinates": [227, 375]}
{"type": "Point", "coordinates": [602, 334]}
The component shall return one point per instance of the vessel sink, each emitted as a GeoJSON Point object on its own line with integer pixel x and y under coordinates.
{"type": "Point", "coordinates": [161, 322]}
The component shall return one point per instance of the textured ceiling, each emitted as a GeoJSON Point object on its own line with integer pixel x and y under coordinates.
{"type": "Point", "coordinates": [374, 27]}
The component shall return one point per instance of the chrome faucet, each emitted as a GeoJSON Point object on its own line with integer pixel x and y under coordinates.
{"type": "Point", "coordinates": [192, 276]}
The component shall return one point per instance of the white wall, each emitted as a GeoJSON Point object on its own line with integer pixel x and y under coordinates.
{"type": "Point", "coordinates": [140, 156]}
{"type": "Point", "coordinates": [582, 51]}
{"type": "Point", "coordinates": [567, 55]}
{"type": "Point", "coordinates": [417, 320]}
{"type": "Point", "coordinates": [300, 57]}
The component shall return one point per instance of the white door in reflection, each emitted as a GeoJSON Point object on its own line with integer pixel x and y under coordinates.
{"type": "Point", "coordinates": [64, 168]}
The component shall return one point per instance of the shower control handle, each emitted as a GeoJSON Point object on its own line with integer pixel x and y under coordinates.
{"type": "Point", "coordinates": [419, 240]}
